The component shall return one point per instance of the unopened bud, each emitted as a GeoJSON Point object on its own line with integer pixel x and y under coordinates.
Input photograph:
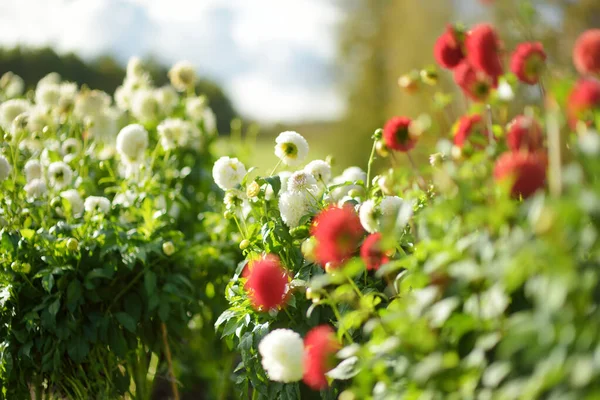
{"type": "Point", "coordinates": [253, 189]}
{"type": "Point", "coordinates": [308, 249]}
{"type": "Point", "coordinates": [244, 244]}
{"type": "Point", "coordinates": [382, 149]}
{"type": "Point", "coordinates": [72, 244]}
{"type": "Point", "coordinates": [168, 248]}
{"type": "Point", "coordinates": [429, 76]}
{"type": "Point", "coordinates": [227, 215]}
{"type": "Point", "coordinates": [25, 268]}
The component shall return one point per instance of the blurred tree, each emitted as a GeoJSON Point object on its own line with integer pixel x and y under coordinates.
{"type": "Point", "coordinates": [104, 73]}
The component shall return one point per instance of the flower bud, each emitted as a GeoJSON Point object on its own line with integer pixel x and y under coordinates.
{"type": "Point", "coordinates": [308, 249]}
{"type": "Point", "coordinates": [253, 189]}
{"type": "Point", "coordinates": [168, 248]}
{"type": "Point", "coordinates": [429, 76]}
{"type": "Point", "coordinates": [381, 149]}
{"type": "Point", "coordinates": [72, 244]}
{"type": "Point", "coordinates": [227, 215]}
{"type": "Point", "coordinates": [408, 83]}
{"type": "Point", "coordinates": [25, 268]}
{"type": "Point", "coordinates": [244, 244]}
{"type": "Point", "coordinates": [329, 268]}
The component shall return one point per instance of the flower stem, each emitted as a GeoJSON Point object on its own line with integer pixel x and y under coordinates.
{"type": "Point", "coordinates": [174, 387]}
{"type": "Point", "coordinates": [275, 169]}
{"type": "Point", "coordinates": [370, 165]}
{"type": "Point", "coordinates": [422, 182]}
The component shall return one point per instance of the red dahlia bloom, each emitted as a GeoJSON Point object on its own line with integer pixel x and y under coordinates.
{"type": "Point", "coordinates": [447, 49]}
{"type": "Point", "coordinates": [396, 134]}
{"type": "Point", "coordinates": [483, 50]}
{"type": "Point", "coordinates": [338, 232]}
{"type": "Point", "coordinates": [471, 129]}
{"type": "Point", "coordinates": [528, 62]}
{"type": "Point", "coordinates": [320, 346]}
{"type": "Point", "coordinates": [267, 283]}
{"type": "Point", "coordinates": [372, 253]}
{"type": "Point", "coordinates": [475, 84]}
{"type": "Point", "coordinates": [586, 53]}
{"type": "Point", "coordinates": [583, 101]}
{"type": "Point", "coordinates": [528, 171]}
{"type": "Point", "coordinates": [524, 133]}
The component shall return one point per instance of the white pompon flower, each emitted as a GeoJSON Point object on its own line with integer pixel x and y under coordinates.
{"type": "Point", "coordinates": [144, 105]}
{"type": "Point", "coordinates": [91, 102]}
{"type": "Point", "coordinates": [10, 109]}
{"type": "Point", "coordinates": [173, 132]}
{"type": "Point", "coordinates": [135, 68]}
{"type": "Point", "coordinates": [70, 147]}
{"type": "Point", "coordinates": [68, 93]}
{"type": "Point", "coordinates": [95, 204]}
{"type": "Point", "coordinates": [320, 169]}
{"type": "Point", "coordinates": [104, 126]}
{"type": "Point", "coordinates": [38, 118]}
{"type": "Point", "coordinates": [75, 201]}
{"type": "Point", "coordinates": [291, 148]}
{"type": "Point", "coordinates": [293, 206]}
{"type": "Point", "coordinates": [209, 119]}
{"type": "Point", "coordinates": [354, 174]}
{"type": "Point", "coordinates": [167, 98]}
{"type": "Point", "coordinates": [35, 188]}
{"type": "Point", "coordinates": [368, 216]}
{"type": "Point", "coordinates": [301, 181]}
{"type": "Point", "coordinates": [47, 95]}
{"type": "Point", "coordinates": [228, 172]}
{"type": "Point", "coordinates": [183, 76]}
{"type": "Point", "coordinates": [284, 176]}
{"type": "Point", "coordinates": [5, 168]}
{"type": "Point", "coordinates": [33, 170]}
{"type": "Point", "coordinates": [390, 206]}
{"type": "Point", "coordinates": [59, 175]}
{"type": "Point", "coordinates": [282, 352]}
{"type": "Point", "coordinates": [194, 108]}
{"type": "Point", "coordinates": [50, 78]}
{"type": "Point", "coordinates": [132, 142]}
{"type": "Point", "coordinates": [12, 85]}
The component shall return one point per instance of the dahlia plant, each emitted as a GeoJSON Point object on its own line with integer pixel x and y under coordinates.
{"type": "Point", "coordinates": [104, 259]}
{"type": "Point", "coordinates": [462, 279]}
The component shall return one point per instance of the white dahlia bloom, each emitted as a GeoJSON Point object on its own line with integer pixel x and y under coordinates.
{"type": "Point", "coordinates": [167, 98]}
{"type": "Point", "coordinates": [51, 78]}
{"type": "Point", "coordinates": [35, 188]}
{"type": "Point", "coordinates": [99, 204]}
{"type": "Point", "coordinates": [68, 93]}
{"type": "Point", "coordinates": [173, 132]}
{"type": "Point", "coordinates": [132, 142]}
{"type": "Point", "coordinates": [91, 103]}
{"type": "Point", "coordinates": [390, 206]}
{"type": "Point", "coordinates": [75, 201]}
{"type": "Point", "coordinates": [33, 170]}
{"type": "Point", "coordinates": [10, 109]}
{"type": "Point", "coordinates": [183, 76]}
{"type": "Point", "coordinates": [293, 206]}
{"type": "Point", "coordinates": [368, 216]}
{"type": "Point", "coordinates": [320, 169]}
{"type": "Point", "coordinates": [47, 95]}
{"type": "Point", "coordinates": [354, 174]}
{"type": "Point", "coordinates": [135, 67]}
{"type": "Point", "coordinates": [12, 85]}
{"type": "Point", "coordinates": [59, 175]}
{"type": "Point", "coordinates": [209, 119]}
{"type": "Point", "coordinates": [104, 126]}
{"type": "Point", "coordinates": [144, 105]}
{"type": "Point", "coordinates": [194, 108]}
{"type": "Point", "coordinates": [284, 176]}
{"type": "Point", "coordinates": [228, 172]}
{"type": "Point", "coordinates": [5, 168]}
{"type": "Point", "coordinates": [301, 181]}
{"type": "Point", "coordinates": [291, 148]}
{"type": "Point", "coordinates": [38, 118]}
{"type": "Point", "coordinates": [282, 352]}
{"type": "Point", "coordinates": [70, 148]}
{"type": "Point", "coordinates": [395, 212]}
{"type": "Point", "coordinates": [234, 199]}
{"type": "Point", "coordinates": [125, 199]}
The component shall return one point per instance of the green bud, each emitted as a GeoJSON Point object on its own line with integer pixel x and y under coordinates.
{"type": "Point", "coordinates": [244, 244]}
{"type": "Point", "coordinates": [168, 248]}
{"type": "Point", "coordinates": [227, 215]}
{"type": "Point", "coordinates": [300, 232]}
{"type": "Point", "coordinates": [25, 268]}
{"type": "Point", "coordinates": [378, 134]}
{"type": "Point", "coordinates": [72, 244]}
{"type": "Point", "coordinates": [308, 249]}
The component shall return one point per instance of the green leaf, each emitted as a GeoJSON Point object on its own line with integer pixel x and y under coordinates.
{"type": "Point", "coordinates": [48, 282]}
{"type": "Point", "coordinates": [150, 283]}
{"type": "Point", "coordinates": [126, 320]}
{"type": "Point", "coordinates": [116, 341]}
{"type": "Point", "coordinates": [78, 348]}
{"type": "Point", "coordinates": [27, 233]}
{"type": "Point", "coordinates": [74, 294]}
{"type": "Point", "coordinates": [54, 307]}
{"type": "Point", "coordinates": [275, 182]}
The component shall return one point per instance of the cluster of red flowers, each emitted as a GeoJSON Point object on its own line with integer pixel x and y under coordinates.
{"type": "Point", "coordinates": [584, 99]}
{"type": "Point", "coordinates": [338, 232]}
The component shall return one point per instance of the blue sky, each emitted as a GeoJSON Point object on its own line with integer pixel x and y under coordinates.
{"type": "Point", "coordinates": [273, 57]}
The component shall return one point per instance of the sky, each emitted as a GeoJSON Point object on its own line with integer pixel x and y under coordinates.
{"type": "Point", "coordinates": [274, 58]}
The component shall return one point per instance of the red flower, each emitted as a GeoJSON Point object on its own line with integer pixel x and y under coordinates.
{"type": "Point", "coordinates": [583, 100]}
{"type": "Point", "coordinates": [475, 84]}
{"type": "Point", "coordinates": [320, 345]}
{"type": "Point", "coordinates": [447, 50]}
{"type": "Point", "coordinates": [483, 50]}
{"type": "Point", "coordinates": [586, 53]}
{"type": "Point", "coordinates": [267, 283]}
{"type": "Point", "coordinates": [528, 170]}
{"type": "Point", "coordinates": [528, 62]}
{"type": "Point", "coordinates": [371, 252]}
{"type": "Point", "coordinates": [471, 129]}
{"type": "Point", "coordinates": [524, 133]}
{"type": "Point", "coordinates": [396, 134]}
{"type": "Point", "coordinates": [338, 232]}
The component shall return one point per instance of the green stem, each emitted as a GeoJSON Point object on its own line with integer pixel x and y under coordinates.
{"type": "Point", "coordinates": [275, 169]}
{"type": "Point", "coordinates": [370, 165]}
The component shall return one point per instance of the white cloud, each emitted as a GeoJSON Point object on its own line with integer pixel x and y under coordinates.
{"type": "Point", "coordinates": [273, 56]}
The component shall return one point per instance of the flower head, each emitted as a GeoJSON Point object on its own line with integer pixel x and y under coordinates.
{"type": "Point", "coordinates": [447, 49]}
{"type": "Point", "coordinates": [10, 109]}
{"type": "Point", "coordinates": [47, 95]}
{"type": "Point", "coordinates": [132, 142]}
{"type": "Point", "coordinates": [5, 168]}
{"type": "Point", "coordinates": [301, 181]}
{"type": "Point", "coordinates": [228, 172]}
{"type": "Point", "coordinates": [368, 216]}
{"type": "Point", "coordinates": [528, 61]}
{"type": "Point", "coordinates": [59, 175]}
{"type": "Point", "coordinates": [472, 130]}
{"type": "Point", "coordinates": [583, 101]}
{"type": "Point", "coordinates": [267, 283]}
{"type": "Point", "coordinates": [475, 84]}
{"type": "Point", "coordinates": [167, 98]}
{"type": "Point", "coordinates": [173, 133]}
{"type": "Point", "coordinates": [291, 148]}
{"type": "Point", "coordinates": [293, 206]}
{"type": "Point", "coordinates": [396, 134]}
{"type": "Point", "coordinates": [91, 102]}
{"type": "Point", "coordinates": [183, 76]}
{"type": "Point", "coordinates": [528, 171]}
{"type": "Point", "coordinates": [372, 253]}
{"type": "Point", "coordinates": [75, 201]}
{"type": "Point", "coordinates": [483, 50]}
{"type": "Point", "coordinates": [320, 346]}
{"type": "Point", "coordinates": [35, 188]}
{"type": "Point", "coordinates": [524, 133]}
{"type": "Point", "coordinates": [33, 170]}
{"type": "Point", "coordinates": [586, 53]}
{"type": "Point", "coordinates": [338, 232]}
{"type": "Point", "coordinates": [144, 105]}
{"type": "Point", "coordinates": [97, 204]}
{"type": "Point", "coordinates": [320, 169]}
{"type": "Point", "coordinates": [282, 352]}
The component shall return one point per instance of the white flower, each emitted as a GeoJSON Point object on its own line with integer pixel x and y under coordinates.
{"type": "Point", "coordinates": [320, 169]}
{"type": "Point", "coordinates": [47, 95]}
{"type": "Point", "coordinates": [59, 175]}
{"type": "Point", "coordinates": [97, 203]}
{"type": "Point", "coordinates": [70, 148]}
{"type": "Point", "coordinates": [354, 174]}
{"type": "Point", "coordinates": [104, 125]}
{"type": "Point", "coordinates": [5, 168]}
{"type": "Point", "coordinates": [301, 181]}
{"type": "Point", "coordinates": [75, 201]}
{"type": "Point", "coordinates": [35, 188]}
{"type": "Point", "coordinates": [125, 199]}
{"type": "Point", "coordinates": [173, 132]}
{"type": "Point", "coordinates": [132, 142]}
{"type": "Point", "coordinates": [293, 206]}
{"type": "Point", "coordinates": [394, 211]}
{"type": "Point", "coordinates": [194, 108]}
{"type": "Point", "coordinates": [38, 118]}
{"type": "Point", "coordinates": [505, 91]}
{"type": "Point", "coordinates": [228, 172]}
{"type": "Point", "coordinates": [209, 120]}
{"type": "Point", "coordinates": [144, 105]}
{"type": "Point", "coordinates": [183, 75]}
{"type": "Point", "coordinates": [10, 109]}
{"type": "Point", "coordinates": [91, 103]}
{"type": "Point", "coordinates": [234, 199]}
{"type": "Point", "coordinates": [167, 99]}
{"type": "Point", "coordinates": [51, 78]}
{"type": "Point", "coordinates": [33, 170]}
{"type": "Point", "coordinates": [12, 85]}
{"type": "Point", "coordinates": [390, 205]}
{"type": "Point", "coordinates": [368, 216]}
{"type": "Point", "coordinates": [135, 68]}
{"type": "Point", "coordinates": [284, 176]}
{"type": "Point", "coordinates": [291, 148]}
{"type": "Point", "coordinates": [282, 352]}
{"type": "Point", "coordinates": [68, 93]}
